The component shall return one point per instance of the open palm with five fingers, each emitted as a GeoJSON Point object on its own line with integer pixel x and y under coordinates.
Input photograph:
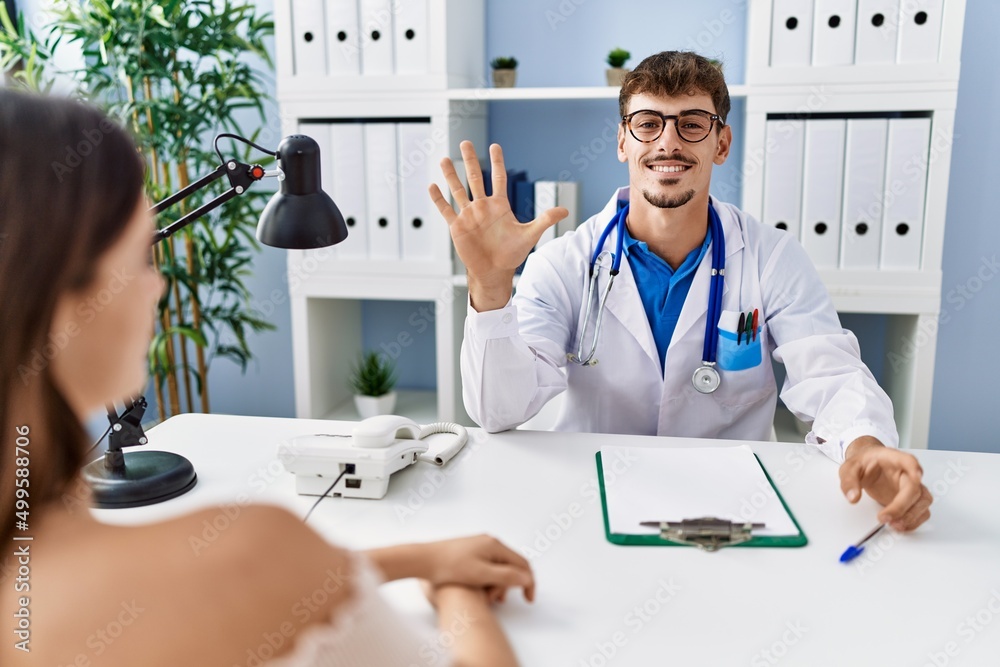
{"type": "Point", "coordinates": [487, 236]}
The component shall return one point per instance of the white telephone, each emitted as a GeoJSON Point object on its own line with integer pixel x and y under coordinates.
{"type": "Point", "coordinates": [378, 447]}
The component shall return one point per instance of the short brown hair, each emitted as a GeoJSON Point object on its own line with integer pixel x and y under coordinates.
{"type": "Point", "coordinates": [672, 73]}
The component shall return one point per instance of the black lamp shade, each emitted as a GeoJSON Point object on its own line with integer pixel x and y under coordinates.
{"type": "Point", "coordinates": [300, 215]}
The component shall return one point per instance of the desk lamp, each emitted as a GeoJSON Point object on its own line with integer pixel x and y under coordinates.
{"type": "Point", "coordinates": [299, 216]}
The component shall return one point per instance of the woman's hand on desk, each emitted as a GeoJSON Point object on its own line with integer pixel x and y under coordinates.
{"type": "Point", "coordinates": [479, 562]}
{"type": "Point", "coordinates": [891, 477]}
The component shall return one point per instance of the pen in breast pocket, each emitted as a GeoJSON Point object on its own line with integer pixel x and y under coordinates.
{"type": "Point", "coordinates": [755, 324]}
{"type": "Point", "coordinates": [739, 328]}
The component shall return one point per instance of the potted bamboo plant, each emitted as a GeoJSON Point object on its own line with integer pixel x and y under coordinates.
{"type": "Point", "coordinates": [616, 62]}
{"type": "Point", "coordinates": [372, 380]}
{"type": "Point", "coordinates": [504, 72]}
{"type": "Point", "coordinates": [174, 74]}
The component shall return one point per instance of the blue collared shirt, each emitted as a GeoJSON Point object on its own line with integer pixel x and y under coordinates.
{"type": "Point", "coordinates": [661, 289]}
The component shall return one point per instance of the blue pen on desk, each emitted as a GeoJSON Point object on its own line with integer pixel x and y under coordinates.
{"type": "Point", "coordinates": [855, 550]}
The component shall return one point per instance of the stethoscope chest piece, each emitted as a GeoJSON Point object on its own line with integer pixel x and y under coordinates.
{"type": "Point", "coordinates": [705, 379]}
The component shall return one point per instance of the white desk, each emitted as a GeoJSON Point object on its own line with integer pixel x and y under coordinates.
{"type": "Point", "coordinates": [907, 601]}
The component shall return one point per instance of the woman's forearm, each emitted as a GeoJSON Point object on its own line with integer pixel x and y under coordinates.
{"type": "Point", "coordinates": [401, 561]}
{"type": "Point", "coordinates": [479, 641]}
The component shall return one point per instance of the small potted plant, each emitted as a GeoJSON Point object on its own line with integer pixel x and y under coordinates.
{"type": "Point", "coordinates": [616, 61]}
{"type": "Point", "coordinates": [504, 72]}
{"type": "Point", "coordinates": [372, 380]}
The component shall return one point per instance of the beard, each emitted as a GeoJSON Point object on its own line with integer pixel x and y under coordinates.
{"type": "Point", "coordinates": [666, 201]}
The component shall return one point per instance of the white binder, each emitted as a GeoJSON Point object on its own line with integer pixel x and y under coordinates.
{"type": "Point", "coordinates": [347, 150]}
{"type": "Point", "coordinates": [785, 140]}
{"type": "Point", "coordinates": [864, 180]}
{"type": "Point", "coordinates": [343, 37]}
{"type": "Point", "coordinates": [878, 32]}
{"type": "Point", "coordinates": [906, 185]}
{"type": "Point", "coordinates": [545, 198]}
{"type": "Point", "coordinates": [308, 38]}
{"type": "Point", "coordinates": [823, 190]}
{"type": "Point", "coordinates": [320, 133]}
{"type": "Point", "coordinates": [419, 227]}
{"type": "Point", "coordinates": [834, 24]}
{"type": "Point", "coordinates": [410, 37]}
{"type": "Point", "coordinates": [568, 196]}
{"type": "Point", "coordinates": [920, 31]}
{"type": "Point", "coordinates": [376, 36]}
{"type": "Point", "coordinates": [382, 179]}
{"type": "Point", "coordinates": [791, 33]}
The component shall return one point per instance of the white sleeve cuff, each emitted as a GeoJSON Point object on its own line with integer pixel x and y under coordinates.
{"type": "Point", "coordinates": [836, 448]}
{"type": "Point", "coordinates": [500, 323]}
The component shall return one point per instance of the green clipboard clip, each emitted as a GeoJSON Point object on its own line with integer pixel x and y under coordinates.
{"type": "Point", "coordinates": [707, 533]}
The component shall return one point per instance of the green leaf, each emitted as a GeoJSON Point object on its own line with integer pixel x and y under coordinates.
{"type": "Point", "coordinates": [102, 47]}
{"type": "Point", "coordinates": [156, 13]}
{"type": "Point", "coordinates": [8, 25]}
{"type": "Point", "coordinates": [373, 375]}
{"type": "Point", "coordinates": [187, 332]}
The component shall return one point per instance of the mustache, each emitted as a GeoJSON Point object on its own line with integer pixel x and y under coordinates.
{"type": "Point", "coordinates": [675, 158]}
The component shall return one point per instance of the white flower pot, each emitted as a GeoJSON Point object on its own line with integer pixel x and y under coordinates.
{"type": "Point", "coordinates": [372, 406]}
{"type": "Point", "coordinates": [504, 78]}
{"type": "Point", "coordinates": [616, 75]}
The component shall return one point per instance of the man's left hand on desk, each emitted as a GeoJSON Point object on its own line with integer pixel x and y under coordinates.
{"type": "Point", "coordinates": [890, 476]}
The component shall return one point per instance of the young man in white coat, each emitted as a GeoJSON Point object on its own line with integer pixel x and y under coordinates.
{"type": "Point", "coordinates": [520, 352]}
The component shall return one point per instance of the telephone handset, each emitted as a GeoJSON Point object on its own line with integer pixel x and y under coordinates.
{"type": "Point", "coordinates": [383, 430]}
{"type": "Point", "coordinates": [376, 448]}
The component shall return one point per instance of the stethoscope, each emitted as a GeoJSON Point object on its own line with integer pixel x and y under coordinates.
{"type": "Point", "coordinates": [706, 378]}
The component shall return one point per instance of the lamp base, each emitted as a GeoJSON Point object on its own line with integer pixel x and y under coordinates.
{"type": "Point", "coordinates": [148, 478]}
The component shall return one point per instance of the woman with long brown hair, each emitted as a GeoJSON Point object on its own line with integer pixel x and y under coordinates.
{"type": "Point", "coordinates": [74, 229]}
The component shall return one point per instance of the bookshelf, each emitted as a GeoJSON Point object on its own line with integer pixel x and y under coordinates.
{"type": "Point", "coordinates": [911, 298]}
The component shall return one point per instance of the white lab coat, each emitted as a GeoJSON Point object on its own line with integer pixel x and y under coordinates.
{"type": "Point", "coordinates": [514, 359]}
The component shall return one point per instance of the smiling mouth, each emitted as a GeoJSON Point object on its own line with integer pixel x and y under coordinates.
{"type": "Point", "coordinates": [668, 169]}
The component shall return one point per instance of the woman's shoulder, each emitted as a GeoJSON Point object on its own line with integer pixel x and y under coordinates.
{"type": "Point", "coordinates": [219, 586]}
{"type": "Point", "coordinates": [239, 527]}
{"type": "Point", "coordinates": [257, 553]}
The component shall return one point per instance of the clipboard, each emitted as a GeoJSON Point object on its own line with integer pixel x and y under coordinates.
{"type": "Point", "coordinates": [625, 539]}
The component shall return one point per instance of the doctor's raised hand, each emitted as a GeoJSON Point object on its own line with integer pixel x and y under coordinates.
{"type": "Point", "coordinates": [891, 477]}
{"type": "Point", "coordinates": [487, 236]}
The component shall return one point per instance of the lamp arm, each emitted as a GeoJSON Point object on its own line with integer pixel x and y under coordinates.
{"type": "Point", "coordinates": [241, 177]}
{"type": "Point", "coordinates": [181, 195]}
{"type": "Point", "coordinates": [175, 227]}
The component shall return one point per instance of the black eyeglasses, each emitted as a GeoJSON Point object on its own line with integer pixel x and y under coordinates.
{"type": "Point", "coordinates": [692, 126]}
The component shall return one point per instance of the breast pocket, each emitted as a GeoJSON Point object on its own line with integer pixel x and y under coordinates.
{"type": "Point", "coordinates": [738, 350]}
{"type": "Point", "coordinates": [746, 381]}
